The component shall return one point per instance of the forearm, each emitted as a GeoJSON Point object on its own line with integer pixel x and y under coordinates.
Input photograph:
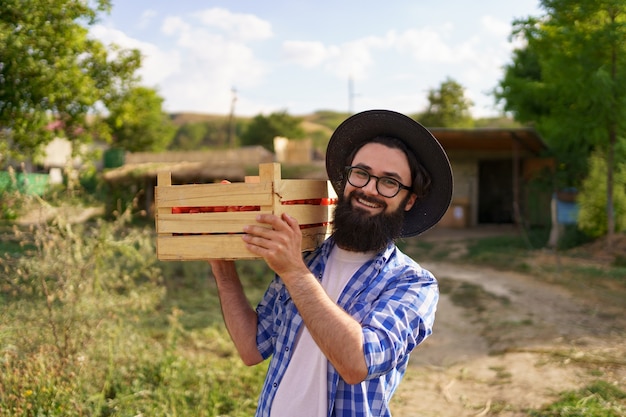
{"type": "Point", "coordinates": [336, 333]}
{"type": "Point", "coordinates": [239, 316]}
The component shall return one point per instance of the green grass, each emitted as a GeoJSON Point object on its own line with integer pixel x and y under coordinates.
{"type": "Point", "coordinates": [468, 295]}
{"type": "Point", "coordinates": [506, 252]}
{"type": "Point", "coordinates": [599, 399]}
{"type": "Point", "coordinates": [91, 324]}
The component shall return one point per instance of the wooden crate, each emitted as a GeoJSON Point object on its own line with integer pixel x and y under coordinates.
{"type": "Point", "coordinates": [205, 221]}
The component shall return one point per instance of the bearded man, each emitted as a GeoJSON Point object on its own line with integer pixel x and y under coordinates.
{"type": "Point", "coordinates": [340, 322]}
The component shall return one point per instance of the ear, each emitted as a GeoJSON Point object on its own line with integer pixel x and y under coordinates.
{"type": "Point", "coordinates": [410, 202]}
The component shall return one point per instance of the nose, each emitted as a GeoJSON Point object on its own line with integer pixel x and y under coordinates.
{"type": "Point", "coordinates": [370, 187]}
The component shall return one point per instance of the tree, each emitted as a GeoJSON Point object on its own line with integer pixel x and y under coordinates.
{"type": "Point", "coordinates": [448, 107]}
{"type": "Point", "coordinates": [190, 136]}
{"type": "Point", "coordinates": [571, 82]}
{"type": "Point", "coordinates": [51, 71]}
{"type": "Point", "coordinates": [262, 130]}
{"type": "Point", "coordinates": [137, 121]}
{"type": "Point", "coordinates": [592, 200]}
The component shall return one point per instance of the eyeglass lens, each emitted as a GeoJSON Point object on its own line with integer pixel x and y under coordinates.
{"type": "Point", "coordinates": [387, 187]}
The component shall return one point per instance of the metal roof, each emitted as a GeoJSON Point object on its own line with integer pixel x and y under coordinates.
{"type": "Point", "coordinates": [490, 139]}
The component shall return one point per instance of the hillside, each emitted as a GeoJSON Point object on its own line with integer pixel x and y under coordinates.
{"type": "Point", "coordinates": [325, 120]}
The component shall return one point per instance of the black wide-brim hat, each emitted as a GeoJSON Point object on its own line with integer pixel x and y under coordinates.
{"type": "Point", "coordinates": [365, 126]}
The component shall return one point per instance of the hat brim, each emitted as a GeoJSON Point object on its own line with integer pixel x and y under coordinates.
{"type": "Point", "coordinates": [364, 126]}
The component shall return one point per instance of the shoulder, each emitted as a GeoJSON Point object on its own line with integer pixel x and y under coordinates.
{"type": "Point", "coordinates": [399, 264]}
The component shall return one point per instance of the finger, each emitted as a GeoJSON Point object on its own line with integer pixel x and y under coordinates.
{"type": "Point", "coordinates": [254, 241]}
{"type": "Point", "coordinates": [291, 221]}
{"type": "Point", "coordinates": [270, 219]}
{"type": "Point", "coordinates": [257, 230]}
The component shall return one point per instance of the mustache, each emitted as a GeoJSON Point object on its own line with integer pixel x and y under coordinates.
{"type": "Point", "coordinates": [358, 194]}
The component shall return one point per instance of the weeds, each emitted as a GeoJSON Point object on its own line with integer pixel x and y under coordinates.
{"type": "Point", "coordinates": [74, 339]}
{"type": "Point", "coordinates": [599, 399]}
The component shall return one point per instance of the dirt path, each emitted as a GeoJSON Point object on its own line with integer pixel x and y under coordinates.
{"type": "Point", "coordinates": [504, 342]}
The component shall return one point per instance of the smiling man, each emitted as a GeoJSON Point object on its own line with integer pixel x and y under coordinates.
{"type": "Point", "coordinates": [340, 322]}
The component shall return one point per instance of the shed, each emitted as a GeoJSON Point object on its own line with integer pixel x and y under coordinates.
{"type": "Point", "coordinates": [492, 169]}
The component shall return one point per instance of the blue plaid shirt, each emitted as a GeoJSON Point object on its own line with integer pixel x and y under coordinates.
{"type": "Point", "coordinates": [392, 297]}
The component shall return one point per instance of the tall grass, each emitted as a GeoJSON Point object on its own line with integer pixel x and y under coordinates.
{"type": "Point", "coordinates": [90, 327]}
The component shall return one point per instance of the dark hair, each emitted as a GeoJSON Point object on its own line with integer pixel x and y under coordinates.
{"type": "Point", "coordinates": [421, 180]}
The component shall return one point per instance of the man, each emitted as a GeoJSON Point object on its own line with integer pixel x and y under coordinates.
{"type": "Point", "coordinates": [340, 322]}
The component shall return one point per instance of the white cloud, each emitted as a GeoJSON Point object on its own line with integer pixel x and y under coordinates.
{"type": "Point", "coordinates": [146, 18]}
{"type": "Point", "coordinates": [204, 54]}
{"type": "Point", "coordinates": [305, 54]}
{"type": "Point", "coordinates": [495, 26]}
{"type": "Point", "coordinates": [349, 59]}
{"type": "Point", "coordinates": [173, 24]}
{"type": "Point", "coordinates": [210, 57]}
{"type": "Point", "coordinates": [237, 26]}
{"type": "Point", "coordinates": [157, 64]}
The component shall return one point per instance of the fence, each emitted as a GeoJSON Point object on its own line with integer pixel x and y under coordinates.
{"type": "Point", "coordinates": [25, 183]}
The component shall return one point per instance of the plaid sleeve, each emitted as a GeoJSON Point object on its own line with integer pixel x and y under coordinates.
{"type": "Point", "coordinates": [266, 333]}
{"type": "Point", "coordinates": [399, 319]}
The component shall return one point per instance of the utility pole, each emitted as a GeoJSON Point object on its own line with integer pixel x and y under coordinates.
{"type": "Point", "coordinates": [351, 95]}
{"type": "Point", "coordinates": [231, 119]}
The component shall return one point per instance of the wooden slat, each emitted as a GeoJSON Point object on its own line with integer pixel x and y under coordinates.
{"type": "Point", "coordinates": [314, 236]}
{"type": "Point", "coordinates": [229, 222]}
{"type": "Point", "coordinates": [304, 189]}
{"type": "Point", "coordinates": [164, 178]}
{"type": "Point", "coordinates": [269, 172]}
{"type": "Point", "coordinates": [204, 247]}
{"type": "Point", "coordinates": [307, 214]}
{"type": "Point", "coordinates": [240, 194]}
{"type": "Point", "coordinates": [195, 248]}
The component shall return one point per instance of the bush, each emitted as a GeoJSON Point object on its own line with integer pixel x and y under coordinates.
{"type": "Point", "coordinates": [89, 328]}
{"type": "Point", "coordinates": [592, 217]}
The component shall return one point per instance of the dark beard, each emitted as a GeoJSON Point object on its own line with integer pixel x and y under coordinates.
{"type": "Point", "coordinates": [356, 230]}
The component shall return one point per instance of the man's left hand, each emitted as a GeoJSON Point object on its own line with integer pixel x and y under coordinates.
{"type": "Point", "coordinates": [280, 245]}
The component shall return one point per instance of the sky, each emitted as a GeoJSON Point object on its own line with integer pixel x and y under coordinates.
{"type": "Point", "coordinates": [257, 57]}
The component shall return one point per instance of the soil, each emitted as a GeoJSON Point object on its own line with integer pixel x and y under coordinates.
{"type": "Point", "coordinates": [507, 342]}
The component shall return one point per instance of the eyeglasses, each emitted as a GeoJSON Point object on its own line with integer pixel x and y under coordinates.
{"type": "Point", "coordinates": [386, 186]}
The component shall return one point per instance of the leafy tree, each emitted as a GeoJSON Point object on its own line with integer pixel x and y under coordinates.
{"type": "Point", "coordinates": [137, 121]}
{"type": "Point", "coordinates": [592, 198]}
{"type": "Point", "coordinates": [262, 130]}
{"type": "Point", "coordinates": [570, 81]}
{"type": "Point", "coordinates": [189, 136]}
{"type": "Point", "coordinates": [205, 134]}
{"type": "Point", "coordinates": [51, 71]}
{"type": "Point", "coordinates": [448, 107]}
{"type": "Point", "coordinates": [218, 132]}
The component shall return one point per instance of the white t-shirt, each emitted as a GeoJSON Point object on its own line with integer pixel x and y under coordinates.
{"type": "Point", "coordinates": [303, 391]}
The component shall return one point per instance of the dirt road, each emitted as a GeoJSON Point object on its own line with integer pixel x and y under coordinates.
{"type": "Point", "coordinates": [505, 342]}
